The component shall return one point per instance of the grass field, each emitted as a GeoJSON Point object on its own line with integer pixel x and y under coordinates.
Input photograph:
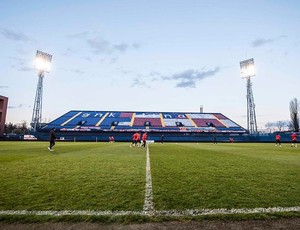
{"type": "Point", "coordinates": [225, 176]}
{"type": "Point", "coordinates": [112, 176]}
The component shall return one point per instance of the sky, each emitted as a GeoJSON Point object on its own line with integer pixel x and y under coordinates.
{"type": "Point", "coordinates": [154, 56]}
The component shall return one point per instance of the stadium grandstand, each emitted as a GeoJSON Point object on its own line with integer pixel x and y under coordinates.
{"type": "Point", "coordinates": [176, 126]}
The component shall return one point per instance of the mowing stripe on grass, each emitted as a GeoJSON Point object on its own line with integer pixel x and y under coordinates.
{"type": "Point", "coordinates": [148, 203]}
{"type": "Point", "coordinates": [175, 213]}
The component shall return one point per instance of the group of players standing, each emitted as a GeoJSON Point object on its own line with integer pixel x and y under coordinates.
{"type": "Point", "coordinates": [136, 140]}
{"type": "Point", "coordinates": [293, 136]}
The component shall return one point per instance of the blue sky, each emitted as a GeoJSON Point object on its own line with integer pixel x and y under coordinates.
{"type": "Point", "coordinates": [151, 56]}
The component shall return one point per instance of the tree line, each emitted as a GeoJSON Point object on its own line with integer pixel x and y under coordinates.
{"type": "Point", "coordinates": [19, 129]}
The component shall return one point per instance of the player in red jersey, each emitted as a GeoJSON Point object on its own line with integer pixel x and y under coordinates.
{"type": "Point", "coordinates": [134, 140]}
{"type": "Point", "coordinates": [294, 140]}
{"type": "Point", "coordinates": [144, 139]}
{"type": "Point", "coordinates": [111, 139]}
{"type": "Point", "coordinates": [278, 140]}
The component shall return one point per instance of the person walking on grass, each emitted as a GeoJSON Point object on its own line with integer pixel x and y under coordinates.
{"type": "Point", "coordinates": [52, 139]}
{"type": "Point", "coordinates": [215, 140]}
{"type": "Point", "coordinates": [294, 140]}
{"type": "Point", "coordinates": [278, 141]}
{"type": "Point", "coordinates": [162, 139]}
{"type": "Point", "coordinates": [144, 139]}
{"type": "Point", "coordinates": [134, 140]}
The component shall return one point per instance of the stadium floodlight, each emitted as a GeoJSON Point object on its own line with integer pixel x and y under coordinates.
{"type": "Point", "coordinates": [43, 65]}
{"type": "Point", "coordinates": [248, 71]}
{"type": "Point", "coordinates": [43, 61]}
{"type": "Point", "coordinates": [247, 68]}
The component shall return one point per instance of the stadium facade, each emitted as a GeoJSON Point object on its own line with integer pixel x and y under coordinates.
{"type": "Point", "coordinates": [3, 111]}
{"type": "Point", "coordinates": [82, 125]}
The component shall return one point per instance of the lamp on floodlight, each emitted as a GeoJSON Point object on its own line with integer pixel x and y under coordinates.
{"type": "Point", "coordinates": [247, 71]}
{"type": "Point", "coordinates": [247, 68]}
{"type": "Point", "coordinates": [43, 65]}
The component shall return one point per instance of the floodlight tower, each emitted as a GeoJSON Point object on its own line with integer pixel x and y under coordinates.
{"type": "Point", "coordinates": [42, 64]}
{"type": "Point", "coordinates": [248, 71]}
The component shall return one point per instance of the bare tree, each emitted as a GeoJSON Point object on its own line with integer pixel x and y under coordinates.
{"type": "Point", "coordinates": [277, 126]}
{"type": "Point", "coordinates": [281, 125]}
{"type": "Point", "coordinates": [20, 128]}
{"type": "Point", "coordinates": [24, 127]}
{"type": "Point", "coordinates": [9, 128]}
{"type": "Point", "coordinates": [294, 112]}
{"type": "Point", "coordinates": [269, 126]}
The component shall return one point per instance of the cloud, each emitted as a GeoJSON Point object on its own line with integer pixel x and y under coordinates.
{"type": "Point", "coordinates": [77, 71]}
{"type": "Point", "coordinates": [136, 45]}
{"type": "Point", "coordinates": [113, 60]}
{"type": "Point", "coordinates": [189, 78]}
{"type": "Point", "coordinates": [69, 52]}
{"type": "Point", "coordinates": [20, 64]}
{"type": "Point", "coordinates": [87, 58]}
{"type": "Point", "coordinates": [137, 82]}
{"type": "Point", "coordinates": [99, 45]}
{"type": "Point", "coordinates": [15, 107]}
{"type": "Point", "coordinates": [186, 84]}
{"type": "Point", "coordinates": [121, 47]}
{"type": "Point", "coordinates": [24, 69]}
{"type": "Point", "coordinates": [102, 46]}
{"type": "Point", "coordinates": [124, 71]}
{"type": "Point", "coordinates": [155, 76]}
{"type": "Point", "coordinates": [261, 41]}
{"type": "Point", "coordinates": [3, 87]}
{"type": "Point", "coordinates": [13, 35]}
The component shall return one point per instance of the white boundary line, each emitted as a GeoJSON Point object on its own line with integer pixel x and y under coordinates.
{"type": "Point", "coordinates": [178, 213]}
{"type": "Point", "coordinates": [223, 211]}
{"type": "Point", "coordinates": [69, 213]}
{"type": "Point", "coordinates": [148, 203]}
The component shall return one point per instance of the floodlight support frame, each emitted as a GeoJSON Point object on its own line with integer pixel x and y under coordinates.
{"type": "Point", "coordinates": [251, 115]}
{"type": "Point", "coordinates": [38, 103]}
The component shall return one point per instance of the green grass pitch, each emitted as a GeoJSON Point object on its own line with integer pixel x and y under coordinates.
{"type": "Point", "coordinates": [112, 176]}
{"type": "Point", "coordinates": [225, 176]}
{"type": "Point", "coordinates": [76, 176]}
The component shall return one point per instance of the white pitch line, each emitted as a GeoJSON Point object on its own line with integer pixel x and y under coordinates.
{"type": "Point", "coordinates": [148, 203]}
{"type": "Point", "coordinates": [69, 213]}
{"type": "Point", "coordinates": [223, 211]}
{"type": "Point", "coordinates": [177, 213]}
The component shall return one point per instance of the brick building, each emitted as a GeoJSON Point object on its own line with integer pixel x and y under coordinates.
{"type": "Point", "coordinates": [3, 110]}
